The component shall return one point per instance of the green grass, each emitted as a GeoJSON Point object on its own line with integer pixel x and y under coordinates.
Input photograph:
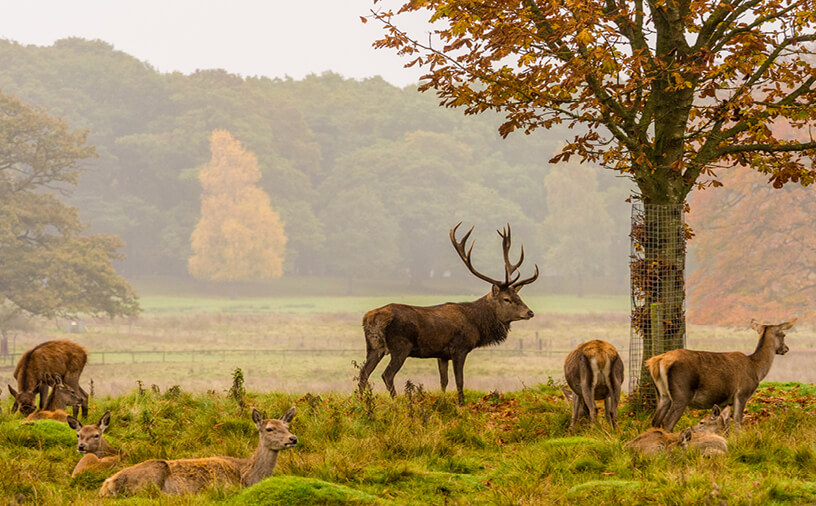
{"type": "Point", "coordinates": [511, 448]}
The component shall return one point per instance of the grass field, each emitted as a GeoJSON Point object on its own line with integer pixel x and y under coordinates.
{"type": "Point", "coordinates": [510, 448]}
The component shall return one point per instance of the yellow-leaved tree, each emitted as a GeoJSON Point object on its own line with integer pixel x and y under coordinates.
{"type": "Point", "coordinates": [239, 236]}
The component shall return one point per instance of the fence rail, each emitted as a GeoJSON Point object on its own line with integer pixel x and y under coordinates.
{"type": "Point", "coordinates": [516, 347]}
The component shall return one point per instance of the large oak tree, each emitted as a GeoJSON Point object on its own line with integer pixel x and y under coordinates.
{"type": "Point", "coordinates": [667, 91]}
{"type": "Point", "coordinates": [47, 266]}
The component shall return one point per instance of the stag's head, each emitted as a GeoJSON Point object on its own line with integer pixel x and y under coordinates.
{"type": "Point", "coordinates": [26, 402]}
{"type": "Point", "coordinates": [274, 433]}
{"type": "Point", "coordinates": [504, 295]}
{"type": "Point", "coordinates": [89, 437]}
{"type": "Point", "coordinates": [775, 332]}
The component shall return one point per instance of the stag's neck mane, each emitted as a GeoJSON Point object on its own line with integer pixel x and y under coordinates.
{"type": "Point", "coordinates": [492, 331]}
{"type": "Point", "coordinates": [763, 356]}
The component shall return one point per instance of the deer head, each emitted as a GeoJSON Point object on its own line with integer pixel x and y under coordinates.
{"type": "Point", "coordinates": [714, 423]}
{"type": "Point", "coordinates": [62, 395]}
{"type": "Point", "coordinates": [775, 332]}
{"type": "Point", "coordinates": [25, 402]}
{"type": "Point", "coordinates": [274, 434]}
{"type": "Point", "coordinates": [89, 437]}
{"type": "Point", "coordinates": [504, 295]}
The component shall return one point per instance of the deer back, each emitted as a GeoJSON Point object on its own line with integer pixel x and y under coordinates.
{"type": "Point", "coordinates": [40, 364]}
{"type": "Point", "coordinates": [596, 362]}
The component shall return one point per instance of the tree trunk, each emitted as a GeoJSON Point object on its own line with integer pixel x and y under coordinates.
{"type": "Point", "coordinates": [658, 289]}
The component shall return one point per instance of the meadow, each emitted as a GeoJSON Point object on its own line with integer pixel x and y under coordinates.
{"type": "Point", "coordinates": [508, 445]}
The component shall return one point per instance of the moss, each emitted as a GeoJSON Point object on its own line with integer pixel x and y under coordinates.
{"type": "Point", "coordinates": [298, 490]}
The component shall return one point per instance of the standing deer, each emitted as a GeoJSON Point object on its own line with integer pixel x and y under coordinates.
{"type": "Point", "coordinates": [59, 399]}
{"type": "Point", "coordinates": [37, 367]}
{"type": "Point", "coordinates": [705, 437]}
{"type": "Point", "coordinates": [98, 454]}
{"type": "Point", "coordinates": [448, 331]}
{"type": "Point", "coordinates": [594, 371]}
{"type": "Point", "coordinates": [191, 475]}
{"type": "Point", "coordinates": [701, 379]}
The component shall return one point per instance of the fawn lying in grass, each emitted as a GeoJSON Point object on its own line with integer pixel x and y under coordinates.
{"type": "Point", "coordinates": [705, 436]}
{"type": "Point", "coordinates": [98, 453]}
{"type": "Point", "coordinates": [191, 475]}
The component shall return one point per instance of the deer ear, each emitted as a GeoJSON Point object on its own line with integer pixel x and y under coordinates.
{"type": "Point", "coordinates": [12, 391]}
{"type": "Point", "coordinates": [495, 291]}
{"type": "Point", "coordinates": [726, 414]}
{"type": "Point", "coordinates": [74, 423]}
{"type": "Point", "coordinates": [257, 417]}
{"type": "Point", "coordinates": [287, 417]}
{"type": "Point", "coordinates": [715, 411]}
{"type": "Point", "coordinates": [104, 421]}
{"type": "Point", "coordinates": [685, 437]}
{"type": "Point", "coordinates": [787, 325]}
{"type": "Point", "coordinates": [756, 326]}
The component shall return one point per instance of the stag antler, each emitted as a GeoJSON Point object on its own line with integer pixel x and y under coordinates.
{"type": "Point", "coordinates": [465, 256]}
{"type": "Point", "coordinates": [509, 267]}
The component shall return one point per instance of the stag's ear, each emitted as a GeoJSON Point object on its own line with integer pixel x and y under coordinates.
{"type": "Point", "coordinates": [787, 325]}
{"type": "Point", "coordinates": [287, 417]}
{"type": "Point", "coordinates": [12, 391]}
{"type": "Point", "coordinates": [757, 326]}
{"type": "Point", "coordinates": [257, 417]}
{"type": "Point", "coordinates": [496, 290]}
{"type": "Point", "coordinates": [74, 423]}
{"type": "Point", "coordinates": [104, 421]}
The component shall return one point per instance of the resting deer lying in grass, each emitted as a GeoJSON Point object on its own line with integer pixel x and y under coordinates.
{"type": "Point", "coordinates": [594, 371]}
{"type": "Point", "coordinates": [705, 437]}
{"type": "Point", "coordinates": [702, 379]}
{"type": "Point", "coordinates": [191, 475]}
{"type": "Point", "coordinates": [59, 399]}
{"type": "Point", "coordinates": [98, 454]}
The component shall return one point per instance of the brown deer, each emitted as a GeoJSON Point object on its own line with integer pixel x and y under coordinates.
{"type": "Point", "coordinates": [97, 453]}
{"type": "Point", "coordinates": [37, 368]}
{"type": "Point", "coordinates": [191, 475]}
{"type": "Point", "coordinates": [701, 379]}
{"type": "Point", "coordinates": [59, 399]}
{"type": "Point", "coordinates": [594, 371]}
{"type": "Point", "coordinates": [448, 331]}
{"type": "Point", "coordinates": [705, 437]}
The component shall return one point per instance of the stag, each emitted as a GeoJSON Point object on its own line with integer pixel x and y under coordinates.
{"type": "Point", "coordinates": [447, 332]}
{"type": "Point", "coordinates": [701, 379]}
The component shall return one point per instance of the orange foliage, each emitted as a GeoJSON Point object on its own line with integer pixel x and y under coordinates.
{"type": "Point", "coordinates": [239, 236]}
{"type": "Point", "coordinates": [755, 252]}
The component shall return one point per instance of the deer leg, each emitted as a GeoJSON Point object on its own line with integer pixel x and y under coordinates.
{"type": "Point", "coordinates": [459, 374]}
{"type": "Point", "coordinates": [443, 372]}
{"type": "Point", "coordinates": [588, 393]}
{"type": "Point", "coordinates": [42, 388]}
{"type": "Point", "coordinates": [611, 406]}
{"type": "Point", "coordinates": [397, 359]}
{"type": "Point", "coordinates": [84, 403]}
{"type": "Point", "coordinates": [739, 405]}
{"type": "Point", "coordinates": [373, 358]}
{"type": "Point", "coordinates": [679, 403]}
{"type": "Point", "coordinates": [577, 403]}
{"type": "Point", "coordinates": [663, 405]}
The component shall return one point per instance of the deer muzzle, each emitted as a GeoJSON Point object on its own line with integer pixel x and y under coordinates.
{"type": "Point", "coordinates": [292, 442]}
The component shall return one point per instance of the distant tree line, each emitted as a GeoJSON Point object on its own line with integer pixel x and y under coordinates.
{"type": "Point", "coordinates": [366, 177]}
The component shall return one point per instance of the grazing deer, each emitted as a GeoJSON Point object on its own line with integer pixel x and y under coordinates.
{"type": "Point", "coordinates": [447, 331]}
{"type": "Point", "coordinates": [705, 437]}
{"type": "Point", "coordinates": [59, 399]}
{"type": "Point", "coordinates": [191, 475]}
{"type": "Point", "coordinates": [98, 454]}
{"type": "Point", "coordinates": [594, 371]}
{"type": "Point", "coordinates": [37, 367]}
{"type": "Point", "coordinates": [701, 379]}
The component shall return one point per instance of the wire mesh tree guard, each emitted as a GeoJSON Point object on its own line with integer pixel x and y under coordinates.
{"type": "Point", "coordinates": [658, 259]}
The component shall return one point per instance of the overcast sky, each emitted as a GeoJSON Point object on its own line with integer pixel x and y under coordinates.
{"type": "Point", "coordinates": [274, 38]}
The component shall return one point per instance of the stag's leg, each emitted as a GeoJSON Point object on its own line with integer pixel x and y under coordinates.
{"type": "Point", "coordinates": [397, 359]}
{"type": "Point", "coordinates": [373, 357]}
{"type": "Point", "coordinates": [459, 375]}
{"type": "Point", "coordinates": [443, 372]}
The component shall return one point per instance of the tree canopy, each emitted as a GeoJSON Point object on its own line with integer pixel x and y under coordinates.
{"type": "Point", "coordinates": [47, 267]}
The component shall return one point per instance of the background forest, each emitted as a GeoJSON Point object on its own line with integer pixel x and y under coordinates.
{"type": "Point", "coordinates": [366, 177]}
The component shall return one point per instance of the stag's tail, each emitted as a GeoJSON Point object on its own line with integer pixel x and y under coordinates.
{"type": "Point", "coordinates": [374, 324]}
{"type": "Point", "coordinates": [658, 370]}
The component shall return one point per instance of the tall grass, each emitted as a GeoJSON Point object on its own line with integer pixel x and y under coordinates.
{"type": "Point", "coordinates": [422, 448]}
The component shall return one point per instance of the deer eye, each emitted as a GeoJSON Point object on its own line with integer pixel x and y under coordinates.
{"type": "Point", "coordinates": [268, 429]}
{"type": "Point", "coordinates": [506, 299]}
{"type": "Point", "coordinates": [96, 436]}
